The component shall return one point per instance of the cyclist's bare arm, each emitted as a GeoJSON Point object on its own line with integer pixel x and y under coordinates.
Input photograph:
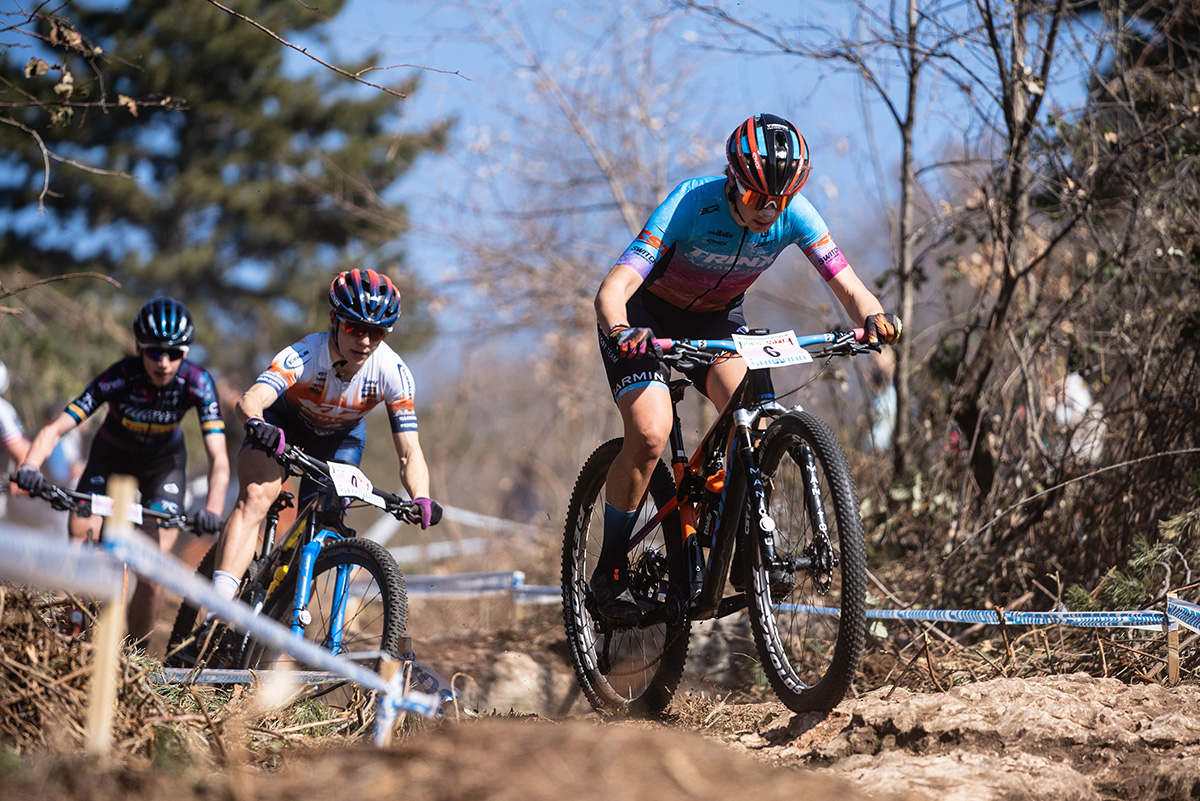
{"type": "Point", "coordinates": [615, 291]}
{"type": "Point", "coordinates": [18, 449]}
{"type": "Point", "coordinates": [858, 301]}
{"type": "Point", "coordinates": [218, 472]}
{"type": "Point", "coordinates": [47, 438]}
{"type": "Point", "coordinates": [255, 401]}
{"type": "Point", "coordinates": [414, 472]}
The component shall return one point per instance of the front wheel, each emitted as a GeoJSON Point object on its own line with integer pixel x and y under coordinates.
{"type": "Point", "coordinates": [632, 670]}
{"type": "Point", "coordinates": [808, 610]}
{"type": "Point", "coordinates": [358, 604]}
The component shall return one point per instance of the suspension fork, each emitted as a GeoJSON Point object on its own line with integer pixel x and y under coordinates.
{"type": "Point", "coordinates": [301, 617]}
{"type": "Point", "coordinates": [812, 494]}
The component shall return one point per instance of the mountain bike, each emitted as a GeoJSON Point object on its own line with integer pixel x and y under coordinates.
{"type": "Point", "coordinates": [89, 504]}
{"type": "Point", "coordinates": [345, 593]}
{"type": "Point", "coordinates": [766, 501]}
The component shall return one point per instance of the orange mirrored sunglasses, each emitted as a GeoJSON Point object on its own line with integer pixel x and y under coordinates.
{"type": "Point", "coordinates": [360, 330]}
{"type": "Point", "coordinates": [757, 200]}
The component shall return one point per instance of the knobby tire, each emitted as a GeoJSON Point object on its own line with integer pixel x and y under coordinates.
{"type": "Point", "coordinates": [644, 665]}
{"type": "Point", "coordinates": [379, 624]}
{"type": "Point", "coordinates": [809, 658]}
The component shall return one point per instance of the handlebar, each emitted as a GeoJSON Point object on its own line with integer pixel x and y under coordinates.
{"type": "Point", "coordinates": [85, 505]}
{"type": "Point", "coordinates": [297, 462]}
{"type": "Point", "coordinates": [833, 343]}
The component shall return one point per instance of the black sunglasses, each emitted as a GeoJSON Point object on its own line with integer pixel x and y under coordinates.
{"type": "Point", "coordinates": [174, 354]}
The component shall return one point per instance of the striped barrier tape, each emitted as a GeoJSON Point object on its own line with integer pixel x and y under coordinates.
{"type": "Point", "coordinates": [1187, 614]}
{"type": "Point", "coordinates": [467, 586]}
{"type": "Point", "coordinates": [98, 571]}
{"type": "Point", "coordinates": [1143, 620]}
{"type": "Point", "coordinates": [1179, 612]}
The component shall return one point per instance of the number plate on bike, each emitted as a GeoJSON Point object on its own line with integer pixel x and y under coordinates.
{"type": "Point", "coordinates": [103, 506]}
{"type": "Point", "coordinates": [771, 350]}
{"type": "Point", "coordinates": [350, 482]}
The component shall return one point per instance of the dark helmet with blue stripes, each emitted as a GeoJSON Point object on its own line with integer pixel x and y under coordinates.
{"type": "Point", "coordinates": [365, 296]}
{"type": "Point", "coordinates": [165, 322]}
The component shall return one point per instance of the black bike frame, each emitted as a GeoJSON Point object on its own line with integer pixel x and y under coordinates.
{"type": "Point", "coordinates": [732, 433]}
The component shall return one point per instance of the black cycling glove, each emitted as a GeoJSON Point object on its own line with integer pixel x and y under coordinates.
{"type": "Point", "coordinates": [30, 479]}
{"type": "Point", "coordinates": [264, 436]}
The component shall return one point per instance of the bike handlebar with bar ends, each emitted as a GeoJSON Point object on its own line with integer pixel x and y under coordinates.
{"type": "Point", "coordinates": [85, 505]}
{"type": "Point", "coordinates": [728, 345]}
{"type": "Point", "coordinates": [297, 461]}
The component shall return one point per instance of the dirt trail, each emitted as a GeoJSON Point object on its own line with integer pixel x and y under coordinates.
{"type": "Point", "coordinates": [1063, 737]}
{"type": "Point", "coordinates": [1050, 738]}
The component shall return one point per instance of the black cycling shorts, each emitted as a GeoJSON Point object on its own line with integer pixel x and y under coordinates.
{"type": "Point", "coordinates": [647, 310]}
{"type": "Point", "coordinates": [161, 475]}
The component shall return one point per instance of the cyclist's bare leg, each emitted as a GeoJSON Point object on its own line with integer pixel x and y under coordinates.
{"type": "Point", "coordinates": [260, 478]}
{"type": "Point", "coordinates": [646, 415]}
{"type": "Point", "coordinates": [83, 529]}
{"type": "Point", "coordinates": [147, 600]}
{"type": "Point", "coordinates": [723, 380]}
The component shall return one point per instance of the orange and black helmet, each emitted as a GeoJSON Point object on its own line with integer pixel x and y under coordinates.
{"type": "Point", "coordinates": [768, 155]}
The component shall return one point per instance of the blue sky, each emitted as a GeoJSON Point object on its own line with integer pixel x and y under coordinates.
{"type": "Point", "coordinates": [469, 79]}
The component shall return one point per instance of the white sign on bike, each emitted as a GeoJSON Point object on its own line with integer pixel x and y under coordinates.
{"type": "Point", "coordinates": [771, 350]}
{"type": "Point", "coordinates": [350, 482]}
{"type": "Point", "coordinates": [102, 506]}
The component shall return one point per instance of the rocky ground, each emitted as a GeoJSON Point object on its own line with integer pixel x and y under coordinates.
{"type": "Point", "coordinates": [1053, 737]}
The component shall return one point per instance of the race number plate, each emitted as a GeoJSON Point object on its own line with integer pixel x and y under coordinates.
{"type": "Point", "coordinates": [350, 482]}
{"type": "Point", "coordinates": [103, 506]}
{"type": "Point", "coordinates": [771, 350]}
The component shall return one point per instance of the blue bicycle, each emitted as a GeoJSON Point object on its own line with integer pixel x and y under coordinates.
{"type": "Point", "coordinates": [342, 592]}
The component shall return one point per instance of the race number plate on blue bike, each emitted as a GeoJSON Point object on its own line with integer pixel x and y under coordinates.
{"type": "Point", "coordinates": [350, 482]}
{"type": "Point", "coordinates": [770, 350]}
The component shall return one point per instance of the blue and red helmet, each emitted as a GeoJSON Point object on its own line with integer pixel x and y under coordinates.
{"type": "Point", "coordinates": [365, 296]}
{"type": "Point", "coordinates": [768, 155]}
{"type": "Point", "coordinates": [164, 322]}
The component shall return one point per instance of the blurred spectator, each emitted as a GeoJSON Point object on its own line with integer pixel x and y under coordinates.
{"type": "Point", "coordinates": [882, 411]}
{"type": "Point", "coordinates": [13, 438]}
{"type": "Point", "coordinates": [1080, 418]}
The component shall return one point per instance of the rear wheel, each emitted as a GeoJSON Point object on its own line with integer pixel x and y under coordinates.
{"type": "Point", "coordinates": [809, 620]}
{"type": "Point", "coordinates": [631, 670]}
{"type": "Point", "coordinates": [358, 605]}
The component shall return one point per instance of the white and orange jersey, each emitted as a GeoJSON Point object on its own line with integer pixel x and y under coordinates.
{"type": "Point", "coordinates": [304, 377]}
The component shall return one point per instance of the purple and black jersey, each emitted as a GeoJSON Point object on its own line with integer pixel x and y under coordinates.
{"type": "Point", "coordinates": [143, 417]}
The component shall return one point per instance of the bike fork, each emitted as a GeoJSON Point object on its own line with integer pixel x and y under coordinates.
{"type": "Point", "coordinates": [301, 616]}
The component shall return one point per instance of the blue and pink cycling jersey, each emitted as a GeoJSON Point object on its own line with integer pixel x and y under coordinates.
{"type": "Point", "coordinates": [693, 254]}
{"type": "Point", "coordinates": [143, 417]}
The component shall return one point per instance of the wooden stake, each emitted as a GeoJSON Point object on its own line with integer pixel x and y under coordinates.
{"type": "Point", "coordinates": [1173, 655]}
{"type": "Point", "coordinates": [107, 642]}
